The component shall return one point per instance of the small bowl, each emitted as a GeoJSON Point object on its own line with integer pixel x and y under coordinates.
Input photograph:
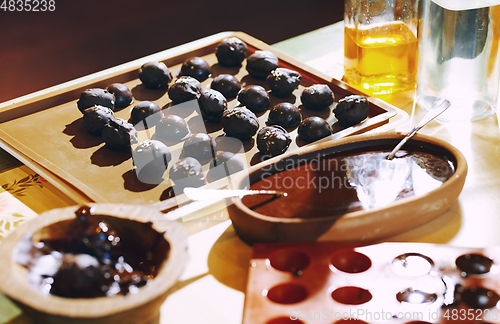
{"type": "Point", "coordinates": [140, 307]}
{"type": "Point", "coordinates": [365, 225]}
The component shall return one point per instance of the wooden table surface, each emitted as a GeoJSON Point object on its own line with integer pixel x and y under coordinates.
{"type": "Point", "coordinates": [211, 289]}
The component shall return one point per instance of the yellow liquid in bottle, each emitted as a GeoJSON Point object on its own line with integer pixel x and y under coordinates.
{"type": "Point", "coordinates": [380, 59]}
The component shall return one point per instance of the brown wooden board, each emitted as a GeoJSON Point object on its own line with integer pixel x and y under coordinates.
{"type": "Point", "coordinates": [44, 130]}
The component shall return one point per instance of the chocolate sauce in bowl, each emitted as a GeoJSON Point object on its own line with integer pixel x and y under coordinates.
{"type": "Point", "coordinates": [347, 181]}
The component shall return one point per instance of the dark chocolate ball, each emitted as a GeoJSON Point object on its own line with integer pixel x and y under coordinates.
{"type": "Point", "coordinates": [197, 68]}
{"type": "Point", "coordinates": [123, 95]}
{"type": "Point", "coordinates": [317, 97]}
{"type": "Point", "coordinates": [119, 134]}
{"type": "Point", "coordinates": [183, 89]}
{"type": "Point", "coordinates": [273, 140]}
{"type": "Point", "coordinates": [474, 264]}
{"type": "Point", "coordinates": [187, 172]}
{"type": "Point", "coordinates": [94, 119]}
{"type": "Point", "coordinates": [147, 112]}
{"type": "Point", "coordinates": [479, 297]}
{"type": "Point", "coordinates": [201, 147]}
{"type": "Point", "coordinates": [96, 96]}
{"type": "Point", "coordinates": [231, 51]}
{"type": "Point", "coordinates": [225, 164]}
{"type": "Point", "coordinates": [313, 128]}
{"type": "Point", "coordinates": [286, 115]}
{"type": "Point", "coordinates": [261, 63]}
{"type": "Point", "coordinates": [254, 97]}
{"type": "Point", "coordinates": [226, 84]}
{"type": "Point", "coordinates": [351, 110]}
{"type": "Point", "coordinates": [155, 75]}
{"type": "Point", "coordinates": [240, 123]}
{"type": "Point", "coordinates": [212, 105]}
{"type": "Point", "coordinates": [172, 128]}
{"type": "Point", "coordinates": [282, 82]}
{"type": "Point", "coordinates": [151, 159]}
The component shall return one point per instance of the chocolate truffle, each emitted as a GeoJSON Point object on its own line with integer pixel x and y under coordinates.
{"type": "Point", "coordinates": [282, 82]}
{"type": "Point", "coordinates": [155, 75]}
{"type": "Point", "coordinates": [151, 159]}
{"type": "Point", "coordinates": [147, 112]}
{"type": "Point", "coordinates": [286, 115]}
{"type": "Point", "coordinates": [123, 95]}
{"type": "Point", "coordinates": [261, 63]}
{"type": "Point", "coordinates": [226, 84]}
{"type": "Point", "coordinates": [313, 128]}
{"type": "Point", "coordinates": [317, 97]}
{"type": "Point", "coordinates": [231, 52]}
{"type": "Point", "coordinates": [119, 134]}
{"type": "Point", "coordinates": [254, 97]}
{"type": "Point", "coordinates": [96, 96]}
{"type": "Point", "coordinates": [201, 147]}
{"type": "Point", "coordinates": [183, 89]}
{"type": "Point", "coordinates": [197, 68]}
{"type": "Point", "coordinates": [94, 119]}
{"type": "Point", "coordinates": [240, 122]}
{"type": "Point", "coordinates": [212, 105]}
{"type": "Point", "coordinates": [187, 172]}
{"type": "Point", "coordinates": [172, 128]}
{"type": "Point", "coordinates": [273, 140]}
{"type": "Point", "coordinates": [225, 164]}
{"type": "Point", "coordinates": [351, 110]}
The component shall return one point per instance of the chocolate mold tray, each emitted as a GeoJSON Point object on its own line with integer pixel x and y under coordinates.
{"type": "Point", "coordinates": [410, 283]}
{"type": "Point", "coordinates": [58, 147]}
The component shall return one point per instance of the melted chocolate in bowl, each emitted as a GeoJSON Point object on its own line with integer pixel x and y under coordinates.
{"type": "Point", "coordinates": [92, 256]}
{"type": "Point", "coordinates": [347, 181]}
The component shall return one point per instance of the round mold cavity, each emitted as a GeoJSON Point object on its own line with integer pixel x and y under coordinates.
{"type": "Point", "coordinates": [473, 264]}
{"type": "Point", "coordinates": [289, 261]}
{"type": "Point", "coordinates": [350, 320]}
{"type": "Point", "coordinates": [351, 295]}
{"type": "Point", "coordinates": [287, 293]}
{"type": "Point", "coordinates": [350, 261]}
{"type": "Point", "coordinates": [415, 296]}
{"type": "Point", "coordinates": [479, 297]}
{"type": "Point", "coordinates": [412, 265]}
{"type": "Point", "coordinates": [284, 320]}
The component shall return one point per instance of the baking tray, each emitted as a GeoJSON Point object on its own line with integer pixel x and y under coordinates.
{"type": "Point", "coordinates": [44, 129]}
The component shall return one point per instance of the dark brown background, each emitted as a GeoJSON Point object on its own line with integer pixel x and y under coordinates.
{"type": "Point", "coordinates": [42, 49]}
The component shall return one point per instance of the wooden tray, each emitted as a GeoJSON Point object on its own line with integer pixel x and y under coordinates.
{"type": "Point", "coordinates": [44, 129]}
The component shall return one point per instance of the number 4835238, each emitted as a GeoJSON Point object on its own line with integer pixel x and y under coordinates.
{"type": "Point", "coordinates": [28, 5]}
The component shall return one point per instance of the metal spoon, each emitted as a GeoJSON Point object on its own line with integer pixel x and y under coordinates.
{"type": "Point", "coordinates": [438, 106]}
{"type": "Point", "coordinates": [213, 194]}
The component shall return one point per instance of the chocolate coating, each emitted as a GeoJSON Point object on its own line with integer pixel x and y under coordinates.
{"type": "Point", "coordinates": [201, 147]}
{"type": "Point", "coordinates": [187, 172]}
{"type": "Point", "coordinates": [119, 134]}
{"type": "Point", "coordinates": [261, 63]}
{"type": "Point", "coordinates": [94, 119]}
{"type": "Point", "coordinates": [226, 84]}
{"type": "Point", "coordinates": [283, 82]}
{"type": "Point", "coordinates": [480, 297]}
{"type": "Point", "coordinates": [474, 264]}
{"type": "Point", "coordinates": [151, 159]}
{"type": "Point", "coordinates": [314, 128]}
{"type": "Point", "coordinates": [147, 112]}
{"type": "Point", "coordinates": [317, 97]}
{"type": "Point", "coordinates": [155, 75]}
{"type": "Point", "coordinates": [254, 97]}
{"type": "Point", "coordinates": [197, 68]}
{"type": "Point", "coordinates": [273, 140]}
{"type": "Point", "coordinates": [123, 95]}
{"type": "Point", "coordinates": [183, 89]}
{"type": "Point", "coordinates": [286, 115]}
{"type": "Point", "coordinates": [172, 128]}
{"type": "Point", "coordinates": [96, 96]}
{"type": "Point", "coordinates": [212, 105]}
{"type": "Point", "coordinates": [224, 164]}
{"type": "Point", "coordinates": [351, 110]}
{"type": "Point", "coordinates": [231, 52]}
{"type": "Point", "coordinates": [240, 122]}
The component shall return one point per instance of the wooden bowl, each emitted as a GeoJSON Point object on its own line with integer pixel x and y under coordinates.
{"type": "Point", "coordinates": [366, 225]}
{"type": "Point", "coordinates": [140, 307]}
